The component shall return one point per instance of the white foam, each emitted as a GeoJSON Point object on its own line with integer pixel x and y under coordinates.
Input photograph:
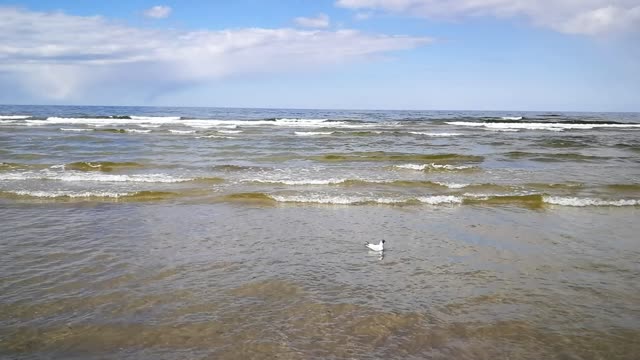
{"type": "Point", "coordinates": [541, 125]}
{"type": "Point", "coordinates": [440, 199]}
{"type": "Point", "coordinates": [182, 132]}
{"type": "Point", "coordinates": [230, 131]}
{"type": "Point", "coordinates": [503, 130]}
{"type": "Point", "coordinates": [511, 118]}
{"type": "Point", "coordinates": [137, 131]}
{"type": "Point", "coordinates": [421, 167]}
{"type": "Point", "coordinates": [314, 123]}
{"type": "Point", "coordinates": [581, 202]}
{"type": "Point", "coordinates": [300, 120]}
{"type": "Point", "coordinates": [432, 134]}
{"type": "Point", "coordinates": [313, 133]}
{"type": "Point", "coordinates": [214, 137]}
{"type": "Point", "coordinates": [97, 177]}
{"type": "Point", "coordinates": [359, 200]}
{"type": "Point", "coordinates": [70, 194]}
{"type": "Point", "coordinates": [335, 200]}
{"type": "Point", "coordinates": [74, 129]}
{"type": "Point", "coordinates": [453, 185]}
{"type": "Point", "coordinates": [155, 118]}
{"type": "Point", "coordinates": [297, 182]}
{"type": "Point", "coordinates": [412, 166]}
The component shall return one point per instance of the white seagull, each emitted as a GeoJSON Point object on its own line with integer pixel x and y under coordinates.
{"type": "Point", "coordinates": [375, 247]}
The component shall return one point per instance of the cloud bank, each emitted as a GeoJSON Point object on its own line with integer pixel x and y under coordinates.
{"type": "Point", "coordinates": [584, 17]}
{"type": "Point", "coordinates": [61, 56]}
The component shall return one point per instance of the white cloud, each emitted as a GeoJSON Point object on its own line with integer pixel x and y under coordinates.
{"type": "Point", "coordinates": [320, 21]}
{"type": "Point", "coordinates": [587, 17]}
{"type": "Point", "coordinates": [60, 56]}
{"type": "Point", "coordinates": [158, 12]}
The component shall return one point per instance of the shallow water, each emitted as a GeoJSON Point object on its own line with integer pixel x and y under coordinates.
{"type": "Point", "coordinates": [251, 247]}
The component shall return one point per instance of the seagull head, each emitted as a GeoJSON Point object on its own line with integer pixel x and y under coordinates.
{"type": "Point", "coordinates": [383, 241]}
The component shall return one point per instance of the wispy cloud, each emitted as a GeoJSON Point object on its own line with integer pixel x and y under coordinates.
{"type": "Point", "coordinates": [62, 56]}
{"type": "Point", "coordinates": [363, 15]}
{"type": "Point", "coordinates": [586, 17]}
{"type": "Point", "coordinates": [320, 21]}
{"type": "Point", "coordinates": [158, 12]}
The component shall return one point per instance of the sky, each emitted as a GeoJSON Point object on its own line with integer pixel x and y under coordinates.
{"type": "Point", "coordinates": [564, 55]}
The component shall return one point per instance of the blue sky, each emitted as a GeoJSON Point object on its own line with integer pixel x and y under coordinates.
{"type": "Point", "coordinates": [366, 54]}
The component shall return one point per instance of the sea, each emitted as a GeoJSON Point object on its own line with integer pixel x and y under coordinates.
{"type": "Point", "coordinates": [223, 233]}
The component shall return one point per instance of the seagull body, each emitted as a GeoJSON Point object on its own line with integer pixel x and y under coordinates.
{"type": "Point", "coordinates": [375, 247]}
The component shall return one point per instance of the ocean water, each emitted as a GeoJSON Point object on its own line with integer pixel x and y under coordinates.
{"type": "Point", "coordinates": [173, 233]}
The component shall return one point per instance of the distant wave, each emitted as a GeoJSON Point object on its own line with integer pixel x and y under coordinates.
{"type": "Point", "coordinates": [313, 133]}
{"type": "Point", "coordinates": [390, 156]}
{"type": "Point", "coordinates": [432, 134]}
{"type": "Point", "coordinates": [562, 143]}
{"type": "Point", "coordinates": [156, 121]}
{"type": "Point", "coordinates": [550, 126]}
{"type": "Point", "coordinates": [155, 118]}
{"type": "Point", "coordinates": [75, 129]}
{"type": "Point", "coordinates": [357, 182]}
{"type": "Point", "coordinates": [553, 156]}
{"type": "Point", "coordinates": [14, 117]}
{"type": "Point", "coordinates": [214, 137]}
{"type": "Point", "coordinates": [122, 131]}
{"type": "Point", "coordinates": [511, 118]}
{"type": "Point", "coordinates": [513, 130]}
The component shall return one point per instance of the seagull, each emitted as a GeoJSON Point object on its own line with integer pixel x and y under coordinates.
{"type": "Point", "coordinates": [375, 247]}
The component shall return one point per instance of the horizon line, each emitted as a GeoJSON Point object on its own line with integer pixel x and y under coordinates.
{"type": "Point", "coordinates": [325, 109]}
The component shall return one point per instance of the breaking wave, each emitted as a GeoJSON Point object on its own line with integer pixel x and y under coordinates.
{"type": "Point", "coordinates": [582, 202]}
{"type": "Point", "coordinates": [534, 201]}
{"type": "Point", "coordinates": [62, 195]}
{"type": "Point", "coordinates": [75, 129]}
{"type": "Point", "coordinates": [156, 121]}
{"type": "Point", "coordinates": [432, 166]}
{"type": "Point", "coordinates": [89, 176]}
{"type": "Point", "coordinates": [388, 156]}
{"type": "Point", "coordinates": [313, 133]}
{"type": "Point", "coordinates": [432, 134]}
